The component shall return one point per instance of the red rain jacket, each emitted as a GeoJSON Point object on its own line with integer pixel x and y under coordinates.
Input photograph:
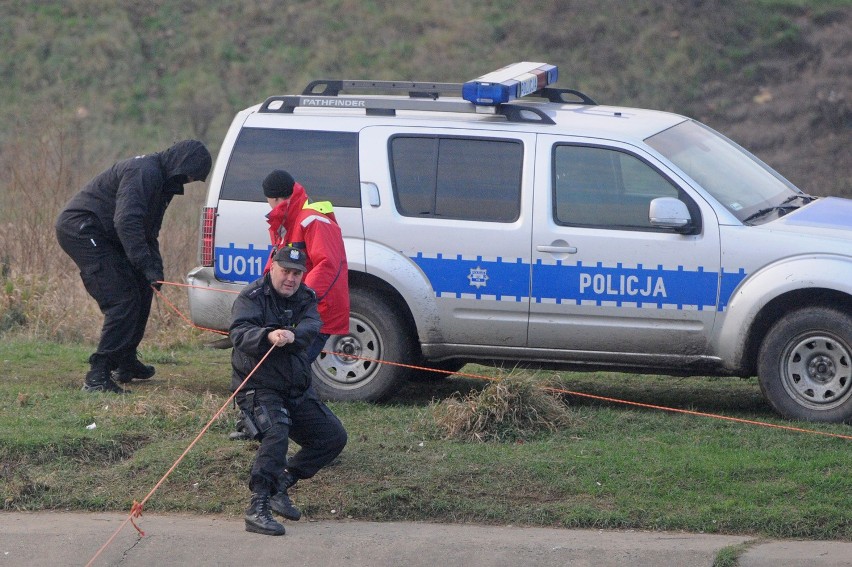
{"type": "Point", "coordinates": [313, 228]}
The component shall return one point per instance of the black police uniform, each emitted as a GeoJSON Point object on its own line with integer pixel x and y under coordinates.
{"type": "Point", "coordinates": [278, 398]}
{"type": "Point", "coordinates": [111, 229]}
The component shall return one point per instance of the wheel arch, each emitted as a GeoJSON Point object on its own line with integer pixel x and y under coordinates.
{"type": "Point", "coordinates": [370, 361]}
{"type": "Point", "coordinates": [767, 294]}
{"type": "Point", "coordinates": [779, 306]}
{"type": "Point", "coordinates": [389, 294]}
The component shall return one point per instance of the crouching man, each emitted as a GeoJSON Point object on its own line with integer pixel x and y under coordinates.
{"type": "Point", "coordinates": [278, 402]}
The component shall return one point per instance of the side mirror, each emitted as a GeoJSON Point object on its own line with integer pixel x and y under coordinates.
{"type": "Point", "coordinates": [671, 213]}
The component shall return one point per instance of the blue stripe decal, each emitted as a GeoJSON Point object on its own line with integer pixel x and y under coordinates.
{"type": "Point", "coordinates": [508, 279]}
{"type": "Point", "coordinates": [453, 276]}
{"type": "Point", "coordinates": [639, 286]}
{"type": "Point", "coordinates": [730, 281]}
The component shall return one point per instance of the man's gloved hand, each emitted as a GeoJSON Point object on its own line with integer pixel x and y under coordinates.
{"type": "Point", "coordinates": [154, 277]}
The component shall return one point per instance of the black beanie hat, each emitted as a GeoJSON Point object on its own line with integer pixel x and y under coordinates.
{"type": "Point", "coordinates": [278, 185]}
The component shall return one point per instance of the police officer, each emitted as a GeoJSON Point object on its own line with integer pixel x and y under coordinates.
{"type": "Point", "coordinates": [277, 402]}
{"type": "Point", "coordinates": [111, 230]}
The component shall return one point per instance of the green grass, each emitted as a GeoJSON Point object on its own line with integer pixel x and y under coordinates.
{"type": "Point", "coordinates": [615, 467]}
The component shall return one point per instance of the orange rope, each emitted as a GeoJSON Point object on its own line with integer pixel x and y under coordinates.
{"type": "Point", "coordinates": [136, 509]}
{"type": "Point", "coordinates": [614, 400]}
{"type": "Point", "coordinates": [181, 315]}
{"type": "Point", "coordinates": [561, 391]}
{"type": "Point", "coordinates": [200, 287]}
{"type": "Point", "coordinates": [702, 414]}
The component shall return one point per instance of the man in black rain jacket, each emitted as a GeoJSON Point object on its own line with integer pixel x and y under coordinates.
{"type": "Point", "coordinates": [278, 402]}
{"type": "Point", "coordinates": [111, 229]}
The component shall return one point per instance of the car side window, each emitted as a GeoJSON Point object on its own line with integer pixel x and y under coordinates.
{"type": "Point", "coordinates": [326, 163]}
{"type": "Point", "coordinates": [605, 188]}
{"type": "Point", "coordinates": [457, 178]}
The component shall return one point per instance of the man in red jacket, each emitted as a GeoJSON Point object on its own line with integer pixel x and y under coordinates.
{"type": "Point", "coordinates": [311, 227]}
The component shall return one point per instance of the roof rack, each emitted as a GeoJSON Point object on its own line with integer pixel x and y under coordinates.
{"type": "Point", "coordinates": [489, 94]}
{"type": "Point", "coordinates": [558, 95]}
{"type": "Point", "coordinates": [332, 87]}
{"type": "Point", "coordinates": [328, 87]}
{"type": "Point", "coordinates": [387, 106]}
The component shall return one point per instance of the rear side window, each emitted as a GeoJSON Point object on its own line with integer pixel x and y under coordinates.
{"type": "Point", "coordinates": [325, 163]}
{"type": "Point", "coordinates": [457, 178]}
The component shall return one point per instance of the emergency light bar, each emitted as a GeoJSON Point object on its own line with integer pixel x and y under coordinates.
{"type": "Point", "coordinates": [512, 81]}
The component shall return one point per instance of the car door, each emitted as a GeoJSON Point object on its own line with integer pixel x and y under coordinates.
{"type": "Point", "coordinates": [605, 281]}
{"type": "Point", "coordinates": [454, 207]}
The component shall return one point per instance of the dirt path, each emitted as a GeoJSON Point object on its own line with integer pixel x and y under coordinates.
{"type": "Point", "coordinates": [56, 538]}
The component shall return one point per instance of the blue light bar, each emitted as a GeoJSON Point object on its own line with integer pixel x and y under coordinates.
{"type": "Point", "coordinates": [512, 81]}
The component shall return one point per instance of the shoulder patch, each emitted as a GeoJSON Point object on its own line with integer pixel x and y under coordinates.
{"type": "Point", "coordinates": [253, 288]}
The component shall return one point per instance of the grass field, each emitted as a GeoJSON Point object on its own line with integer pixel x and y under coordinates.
{"type": "Point", "coordinates": [614, 466]}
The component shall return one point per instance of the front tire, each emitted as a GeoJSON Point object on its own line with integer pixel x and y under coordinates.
{"type": "Point", "coordinates": [805, 365]}
{"type": "Point", "coordinates": [376, 333]}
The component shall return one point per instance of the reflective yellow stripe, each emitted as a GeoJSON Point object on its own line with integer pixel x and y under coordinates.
{"type": "Point", "coordinates": [323, 207]}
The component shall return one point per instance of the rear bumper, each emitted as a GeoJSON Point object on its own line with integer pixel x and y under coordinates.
{"type": "Point", "coordinates": [211, 300]}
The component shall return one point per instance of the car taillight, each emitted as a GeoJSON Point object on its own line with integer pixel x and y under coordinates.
{"type": "Point", "coordinates": [208, 230]}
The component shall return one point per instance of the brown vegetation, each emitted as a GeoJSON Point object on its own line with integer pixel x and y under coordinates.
{"type": "Point", "coordinates": [86, 83]}
{"type": "Point", "coordinates": [513, 408]}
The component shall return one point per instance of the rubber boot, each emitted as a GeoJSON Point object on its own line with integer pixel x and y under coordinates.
{"type": "Point", "coordinates": [281, 503]}
{"type": "Point", "coordinates": [239, 433]}
{"type": "Point", "coordinates": [127, 372]}
{"type": "Point", "coordinates": [98, 379]}
{"type": "Point", "coordinates": [258, 518]}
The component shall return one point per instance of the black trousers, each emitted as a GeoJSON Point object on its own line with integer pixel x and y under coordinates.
{"type": "Point", "coordinates": [319, 433]}
{"type": "Point", "coordinates": [123, 294]}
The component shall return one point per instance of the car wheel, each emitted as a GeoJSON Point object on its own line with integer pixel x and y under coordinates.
{"type": "Point", "coordinates": [349, 367]}
{"type": "Point", "coordinates": [805, 365]}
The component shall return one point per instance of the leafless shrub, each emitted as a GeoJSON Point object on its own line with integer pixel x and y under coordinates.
{"type": "Point", "coordinates": [513, 408]}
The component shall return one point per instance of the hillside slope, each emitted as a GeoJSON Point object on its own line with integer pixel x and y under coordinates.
{"type": "Point", "coordinates": [121, 78]}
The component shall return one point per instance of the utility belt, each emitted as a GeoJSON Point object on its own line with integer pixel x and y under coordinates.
{"type": "Point", "coordinates": [260, 418]}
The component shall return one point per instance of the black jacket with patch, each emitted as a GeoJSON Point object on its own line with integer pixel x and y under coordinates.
{"type": "Point", "coordinates": [257, 311]}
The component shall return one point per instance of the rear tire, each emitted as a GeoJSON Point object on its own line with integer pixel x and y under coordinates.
{"type": "Point", "coordinates": [376, 333]}
{"type": "Point", "coordinates": [805, 365]}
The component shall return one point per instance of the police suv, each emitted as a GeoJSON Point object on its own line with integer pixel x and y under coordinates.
{"type": "Point", "coordinates": [506, 221]}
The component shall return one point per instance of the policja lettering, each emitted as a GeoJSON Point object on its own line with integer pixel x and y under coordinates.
{"type": "Point", "coordinates": [609, 284]}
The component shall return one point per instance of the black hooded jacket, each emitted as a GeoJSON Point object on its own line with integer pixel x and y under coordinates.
{"type": "Point", "coordinates": [257, 311]}
{"type": "Point", "coordinates": [127, 202]}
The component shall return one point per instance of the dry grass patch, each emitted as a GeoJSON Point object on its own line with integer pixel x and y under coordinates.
{"type": "Point", "coordinates": [514, 408]}
{"type": "Point", "coordinates": [173, 404]}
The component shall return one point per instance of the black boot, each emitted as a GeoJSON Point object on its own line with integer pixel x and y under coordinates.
{"type": "Point", "coordinates": [98, 378]}
{"type": "Point", "coordinates": [258, 518]}
{"type": "Point", "coordinates": [281, 503]}
{"type": "Point", "coordinates": [240, 433]}
{"type": "Point", "coordinates": [127, 372]}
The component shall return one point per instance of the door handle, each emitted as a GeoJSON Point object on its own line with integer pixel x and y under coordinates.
{"type": "Point", "coordinates": [371, 190]}
{"type": "Point", "coordinates": [557, 249]}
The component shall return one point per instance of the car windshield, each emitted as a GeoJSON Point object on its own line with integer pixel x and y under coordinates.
{"type": "Point", "coordinates": [737, 179]}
